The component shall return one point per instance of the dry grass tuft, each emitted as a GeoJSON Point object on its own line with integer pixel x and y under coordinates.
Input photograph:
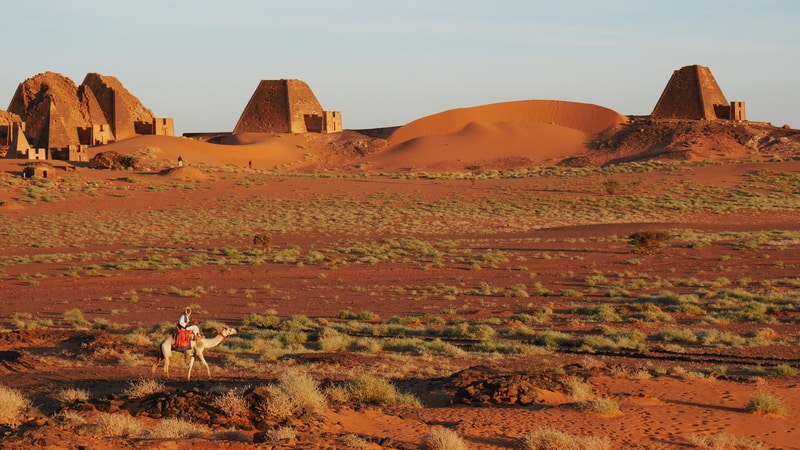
{"type": "Point", "coordinates": [72, 395]}
{"type": "Point", "coordinates": [552, 439]}
{"type": "Point", "coordinates": [12, 405]}
{"type": "Point", "coordinates": [176, 429]}
{"type": "Point", "coordinates": [766, 403]}
{"type": "Point", "coordinates": [442, 439]}
{"type": "Point", "coordinates": [144, 387]}
{"type": "Point", "coordinates": [369, 389]}
{"type": "Point", "coordinates": [118, 425]}
{"type": "Point", "coordinates": [232, 404]}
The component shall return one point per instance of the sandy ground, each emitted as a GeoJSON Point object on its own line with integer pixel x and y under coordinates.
{"type": "Point", "coordinates": [217, 202]}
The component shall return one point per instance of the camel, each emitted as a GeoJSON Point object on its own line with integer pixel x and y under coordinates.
{"type": "Point", "coordinates": [198, 346]}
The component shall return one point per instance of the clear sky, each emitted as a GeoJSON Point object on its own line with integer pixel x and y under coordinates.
{"type": "Point", "coordinates": [388, 62]}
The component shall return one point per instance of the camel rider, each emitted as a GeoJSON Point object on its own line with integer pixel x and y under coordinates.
{"type": "Point", "coordinates": [184, 322]}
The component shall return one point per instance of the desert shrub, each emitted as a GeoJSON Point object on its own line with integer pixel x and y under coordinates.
{"type": "Point", "coordinates": [605, 313]}
{"type": "Point", "coordinates": [599, 406]}
{"type": "Point", "coordinates": [144, 387]}
{"type": "Point", "coordinates": [369, 389]}
{"type": "Point", "coordinates": [260, 321]}
{"type": "Point", "coordinates": [12, 405]}
{"type": "Point", "coordinates": [118, 425]}
{"type": "Point", "coordinates": [72, 395]}
{"type": "Point", "coordinates": [295, 393]}
{"type": "Point", "coordinates": [280, 434]}
{"type": "Point", "coordinates": [540, 315]}
{"type": "Point", "coordinates": [26, 321]}
{"type": "Point", "coordinates": [784, 370]}
{"type": "Point", "coordinates": [552, 439]}
{"type": "Point", "coordinates": [648, 242]}
{"type": "Point", "coordinates": [715, 338]}
{"type": "Point", "coordinates": [232, 404]}
{"type": "Point", "coordinates": [676, 335]}
{"type": "Point", "coordinates": [765, 403]}
{"type": "Point", "coordinates": [356, 442]}
{"type": "Point", "coordinates": [467, 331]}
{"type": "Point", "coordinates": [304, 390]}
{"type": "Point", "coordinates": [277, 404]}
{"type": "Point", "coordinates": [75, 318]}
{"type": "Point", "coordinates": [233, 435]}
{"type": "Point", "coordinates": [176, 429]}
{"type": "Point", "coordinates": [70, 420]}
{"type": "Point", "coordinates": [552, 339]}
{"type": "Point", "coordinates": [262, 240]}
{"type": "Point", "coordinates": [578, 389]}
{"type": "Point", "coordinates": [610, 185]}
{"type": "Point", "coordinates": [508, 348]}
{"type": "Point", "coordinates": [723, 440]}
{"type": "Point", "coordinates": [442, 439]}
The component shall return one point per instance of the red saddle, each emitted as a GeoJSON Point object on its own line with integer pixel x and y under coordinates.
{"type": "Point", "coordinates": [183, 339]}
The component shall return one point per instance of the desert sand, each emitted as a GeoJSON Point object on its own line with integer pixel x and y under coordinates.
{"type": "Point", "coordinates": [424, 231]}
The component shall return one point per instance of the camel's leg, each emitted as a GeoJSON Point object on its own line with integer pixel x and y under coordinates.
{"type": "Point", "coordinates": [163, 355]}
{"type": "Point", "coordinates": [203, 360]}
{"type": "Point", "coordinates": [191, 363]}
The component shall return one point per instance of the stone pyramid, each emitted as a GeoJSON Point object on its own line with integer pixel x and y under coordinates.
{"type": "Point", "coordinates": [279, 106]}
{"type": "Point", "coordinates": [692, 93]}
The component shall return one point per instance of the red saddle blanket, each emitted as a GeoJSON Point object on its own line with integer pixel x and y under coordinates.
{"type": "Point", "coordinates": [183, 339]}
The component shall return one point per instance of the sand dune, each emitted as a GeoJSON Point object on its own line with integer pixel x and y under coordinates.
{"type": "Point", "coordinates": [266, 151]}
{"type": "Point", "coordinates": [497, 135]}
{"type": "Point", "coordinates": [585, 117]}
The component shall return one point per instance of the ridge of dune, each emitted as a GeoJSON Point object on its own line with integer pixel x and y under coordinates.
{"type": "Point", "coordinates": [262, 151]}
{"type": "Point", "coordinates": [588, 118]}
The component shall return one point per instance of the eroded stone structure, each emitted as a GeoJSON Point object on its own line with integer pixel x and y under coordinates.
{"type": "Point", "coordinates": [286, 106]}
{"type": "Point", "coordinates": [693, 93]}
{"type": "Point", "coordinates": [61, 120]}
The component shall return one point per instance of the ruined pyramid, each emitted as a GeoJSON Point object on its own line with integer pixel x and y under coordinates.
{"type": "Point", "coordinates": [692, 93]}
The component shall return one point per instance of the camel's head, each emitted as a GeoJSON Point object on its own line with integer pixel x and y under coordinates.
{"type": "Point", "coordinates": [225, 332]}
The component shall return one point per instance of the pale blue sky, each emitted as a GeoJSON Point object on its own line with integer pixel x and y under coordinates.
{"type": "Point", "coordinates": [386, 63]}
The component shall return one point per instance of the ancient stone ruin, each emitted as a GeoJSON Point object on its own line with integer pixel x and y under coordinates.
{"type": "Point", "coordinates": [286, 106]}
{"type": "Point", "coordinates": [52, 118]}
{"type": "Point", "coordinates": [692, 93]}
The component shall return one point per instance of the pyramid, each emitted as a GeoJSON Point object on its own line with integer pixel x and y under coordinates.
{"type": "Point", "coordinates": [46, 98]}
{"type": "Point", "coordinates": [108, 101]}
{"type": "Point", "coordinates": [285, 106]}
{"type": "Point", "coordinates": [58, 114]}
{"type": "Point", "coordinates": [692, 93]}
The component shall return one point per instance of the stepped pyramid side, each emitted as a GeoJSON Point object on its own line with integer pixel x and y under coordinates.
{"type": "Point", "coordinates": [692, 93]}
